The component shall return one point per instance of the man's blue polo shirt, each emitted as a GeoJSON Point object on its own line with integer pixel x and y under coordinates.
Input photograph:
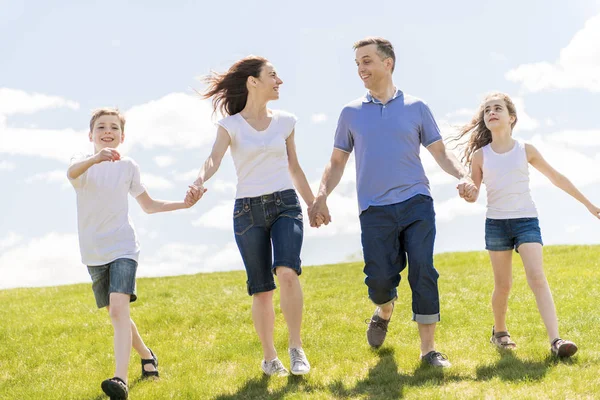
{"type": "Point", "coordinates": [387, 139]}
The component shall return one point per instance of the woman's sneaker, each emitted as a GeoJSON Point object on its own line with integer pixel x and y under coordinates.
{"type": "Point", "coordinates": [298, 363]}
{"type": "Point", "coordinates": [274, 368]}
{"type": "Point", "coordinates": [563, 348]}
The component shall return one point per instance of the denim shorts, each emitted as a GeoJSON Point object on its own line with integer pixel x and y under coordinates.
{"type": "Point", "coordinates": [392, 236]}
{"type": "Point", "coordinates": [269, 233]}
{"type": "Point", "coordinates": [508, 234]}
{"type": "Point", "coordinates": [117, 276]}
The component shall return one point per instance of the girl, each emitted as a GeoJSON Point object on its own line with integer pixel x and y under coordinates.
{"type": "Point", "coordinates": [501, 162]}
{"type": "Point", "coordinates": [267, 216]}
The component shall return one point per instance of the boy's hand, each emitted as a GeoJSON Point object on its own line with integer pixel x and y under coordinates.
{"type": "Point", "coordinates": [193, 194]}
{"type": "Point", "coordinates": [107, 154]}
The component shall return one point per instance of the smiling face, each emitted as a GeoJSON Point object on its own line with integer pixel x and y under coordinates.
{"type": "Point", "coordinates": [268, 82]}
{"type": "Point", "coordinates": [373, 69]}
{"type": "Point", "coordinates": [107, 132]}
{"type": "Point", "coordinates": [496, 114]}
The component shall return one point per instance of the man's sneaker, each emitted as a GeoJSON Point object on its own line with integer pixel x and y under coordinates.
{"type": "Point", "coordinates": [436, 359]}
{"type": "Point", "coordinates": [274, 368]}
{"type": "Point", "coordinates": [298, 363]}
{"type": "Point", "coordinates": [563, 348]}
{"type": "Point", "coordinates": [377, 329]}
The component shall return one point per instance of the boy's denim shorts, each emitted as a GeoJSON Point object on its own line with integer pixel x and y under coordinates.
{"type": "Point", "coordinates": [508, 234]}
{"type": "Point", "coordinates": [269, 233]}
{"type": "Point", "coordinates": [117, 276]}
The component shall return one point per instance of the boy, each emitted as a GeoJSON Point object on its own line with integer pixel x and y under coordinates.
{"type": "Point", "coordinates": [107, 239]}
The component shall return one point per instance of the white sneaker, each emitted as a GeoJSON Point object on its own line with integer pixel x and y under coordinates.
{"type": "Point", "coordinates": [298, 362]}
{"type": "Point", "coordinates": [274, 368]}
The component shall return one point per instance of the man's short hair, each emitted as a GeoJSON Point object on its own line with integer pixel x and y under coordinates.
{"type": "Point", "coordinates": [384, 47]}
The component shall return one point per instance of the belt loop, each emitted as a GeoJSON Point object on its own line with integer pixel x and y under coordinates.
{"type": "Point", "coordinates": [246, 202]}
{"type": "Point", "coordinates": [277, 198]}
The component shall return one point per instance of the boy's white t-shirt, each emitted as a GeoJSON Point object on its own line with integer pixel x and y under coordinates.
{"type": "Point", "coordinates": [260, 157]}
{"type": "Point", "coordinates": [105, 230]}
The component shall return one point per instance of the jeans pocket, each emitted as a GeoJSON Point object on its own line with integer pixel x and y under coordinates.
{"type": "Point", "coordinates": [242, 221]}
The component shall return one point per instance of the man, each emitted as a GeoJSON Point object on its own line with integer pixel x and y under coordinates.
{"type": "Point", "coordinates": [386, 128]}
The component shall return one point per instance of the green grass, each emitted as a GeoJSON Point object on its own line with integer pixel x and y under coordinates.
{"type": "Point", "coordinates": [55, 344]}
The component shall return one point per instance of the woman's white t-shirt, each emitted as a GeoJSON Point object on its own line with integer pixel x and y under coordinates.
{"type": "Point", "coordinates": [105, 230]}
{"type": "Point", "coordinates": [260, 157]}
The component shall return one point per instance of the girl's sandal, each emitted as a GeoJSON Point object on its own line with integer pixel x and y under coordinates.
{"type": "Point", "coordinates": [153, 361]}
{"type": "Point", "coordinates": [503, 345]}
{"type": "Point", "coordinates": [115, 388]}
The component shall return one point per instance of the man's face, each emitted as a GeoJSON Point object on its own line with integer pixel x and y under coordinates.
{"type": "Point", "coordinates": [372, 70]}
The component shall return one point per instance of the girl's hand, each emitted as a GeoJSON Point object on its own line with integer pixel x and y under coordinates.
{"type": "Point", "coordinates": [193, 194]}
{"type": "Point", "coordinates": [594, 210]}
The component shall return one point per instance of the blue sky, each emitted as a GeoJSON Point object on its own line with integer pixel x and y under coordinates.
{"type": "Point", "coordinates": [62, 59]}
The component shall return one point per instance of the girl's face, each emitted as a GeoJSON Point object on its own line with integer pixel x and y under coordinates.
{"type": "Point", "coordinates": [268, 82]}
{"type": "Point", "coordinates": [496, 116]}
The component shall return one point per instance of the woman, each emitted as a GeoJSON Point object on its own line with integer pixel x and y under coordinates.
{"type": "Point", "coordinates": [267, 216]}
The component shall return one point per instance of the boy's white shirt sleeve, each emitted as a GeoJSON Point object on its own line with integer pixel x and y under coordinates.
{"type": "Point", "coordinates": [80, 180]}
{"type": "Point", "coordinates": [136, 188]}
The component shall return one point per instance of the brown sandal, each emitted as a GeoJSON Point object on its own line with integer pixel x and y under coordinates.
{"type": "Point", "coordinates": [503, 345]}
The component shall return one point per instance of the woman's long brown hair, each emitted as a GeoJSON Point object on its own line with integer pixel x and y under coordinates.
{"type": "Point", "coordinates": [228, 90]}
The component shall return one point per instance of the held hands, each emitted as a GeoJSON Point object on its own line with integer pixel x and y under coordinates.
{"type": "Point", "coordinates": [107, 154]}
{"type": "Point", "coordinates": [194, 194]}
{"type": "Point", "coordinates": [318, 213]}
{"type": "Point", "coordinates": [467, 190]}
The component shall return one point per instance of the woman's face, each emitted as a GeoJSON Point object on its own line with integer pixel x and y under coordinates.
{"type": "Point", "coordinates": [268, 82]}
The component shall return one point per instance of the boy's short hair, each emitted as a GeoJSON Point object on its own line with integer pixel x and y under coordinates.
{"type": "Point", "coordinates": [97, 113]}
{"type": "Point", "coordinates": [384, 47]}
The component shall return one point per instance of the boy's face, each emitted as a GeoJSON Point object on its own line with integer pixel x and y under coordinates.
{"type": "Point", "coordinates": [107, 133]}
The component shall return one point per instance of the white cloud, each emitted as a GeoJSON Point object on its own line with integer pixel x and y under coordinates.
{"type": "Point", "coordinates": [50, 177]}
{"type": "Point", "coordinates": [580, 138]}
{"type": "Point", "coordinates": [46, 261]}
{"type": "Point", "coordinates": [578, 65]}
{"type": "Point", "coordinates": [10, 240]}
{"type": "Point", "coordinates": [525, 122]}
{"type": "Point", "coordinates": [7, 165]}
{"type": "Point", "coordinates": [222, 186]}
{"type": "Point", "coordinates": [456, 207]}
{"type": "Point", "coordinates": [218, 217]}
{"type": "Point", "coordinates": [190, 175]}
{"type": "Point", "coordinates": [463, 112]}
{"type": "Point", "coordinates": [318, 118]}
{"type": "Point", "coordinates": [164, 161]}
{"type": "Point", "coordinates": [155, 182]}
{"type": "Point", "coordinates": [175, 120]}
{"type": "Point", "coordinates": [14, 101]}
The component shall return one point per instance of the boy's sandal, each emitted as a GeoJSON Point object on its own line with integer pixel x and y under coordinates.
{"type": "Point", "coordinates": [115, 388]}
{"type": "Point", "coordinates": [153, 361]}
{"type": "Point", "coordinates": [504, 345]}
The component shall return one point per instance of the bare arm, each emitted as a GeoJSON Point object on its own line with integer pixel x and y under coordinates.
{"type": "Point", "coordinates": [213, 162]}
{"type": "Point", "coordinates": [296, 172]}
{"type": "Point", "coordinates": [78, 168]}
{"type": "Point", "coordinates": [559, 180]}
{"type": "Point", "coordinates": [476, 176]}
{"type": "Point", "coordinates": [151, 206]}
{"type": "Point", "coordinates": [446, 160]}
{"type": "Point", "coordinates": [331, 178]}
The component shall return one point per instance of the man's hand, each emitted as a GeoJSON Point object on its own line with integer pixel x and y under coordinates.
{"type": "Point", "coordinates": [318, 213]}
{"type": "Point", "coordinates": [467, 190]}
{"type": "Point", "coordinates": [194, 194]}
{"type": "Point", "coordinates": [107, 154]}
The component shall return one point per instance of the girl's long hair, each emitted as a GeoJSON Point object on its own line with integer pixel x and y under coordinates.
{"type": "Point", "coordinates": [228, 90]}
{"type": "Point", "coordinates": [479, 135]}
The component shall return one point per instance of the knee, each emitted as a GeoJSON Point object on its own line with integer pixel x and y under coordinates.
{"type": "Point", "coordinates": [537, 280]}
{"type": "Point", "coordinates": [119, 307]}
{"type": "Point", "coordinates": [286, 276]}
{"type": "Point", "coordinates": [381, 290]}
{"type": "Point", "coordinates": [503, 288]}
{"type": "Point", "coordinates": [263, 297]}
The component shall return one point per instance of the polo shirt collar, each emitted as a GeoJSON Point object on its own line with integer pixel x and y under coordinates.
{"type": "Point", "coordinates": [370, 99]}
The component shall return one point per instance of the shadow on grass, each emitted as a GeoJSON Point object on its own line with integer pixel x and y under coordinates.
{"type": "Point", "coordinates": [258, 389]}
{"type": "Point", "coordinates": [510, 368]}
{"type": "Point", "coordinates": [384, 381]}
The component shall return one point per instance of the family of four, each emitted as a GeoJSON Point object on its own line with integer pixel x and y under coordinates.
{"type": "Point", "coordinates": [385, 128]}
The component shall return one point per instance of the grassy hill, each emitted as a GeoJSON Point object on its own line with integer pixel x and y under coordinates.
{"type": "Point", "coordinates": [55, 344]}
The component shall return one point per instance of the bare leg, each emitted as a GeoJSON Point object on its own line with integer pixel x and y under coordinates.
{"type": "Point", "coordinates": [502, 267]}
{"type": "Point", "coordinates": [531, 254]}
{"type": "Point", "coordinates": [119, 316]}
{"type": "Point", "coordinates": [263, 316]}
{"type": "Point", "coordinates": [291, 302]}
{"type": "Point", "coordinates": [427, 334]}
